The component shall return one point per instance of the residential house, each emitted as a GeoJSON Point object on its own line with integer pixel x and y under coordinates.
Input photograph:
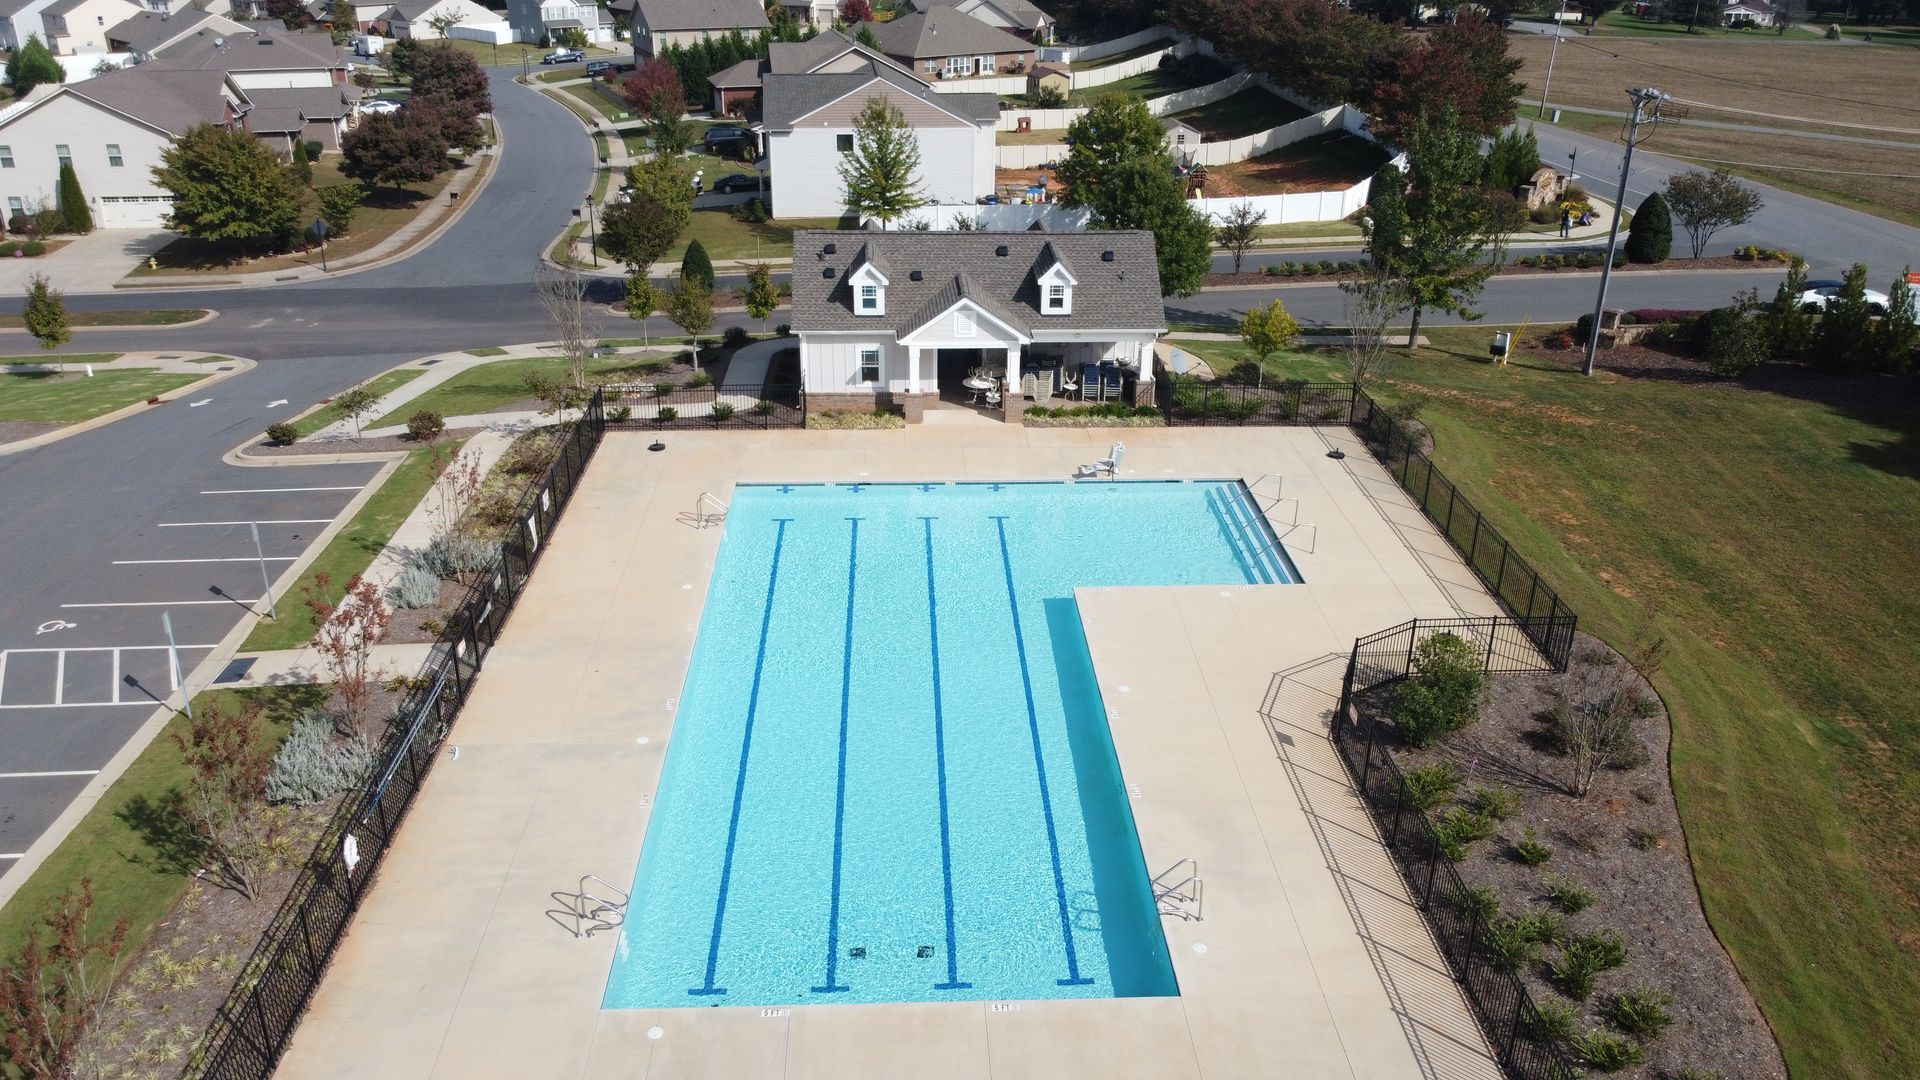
{"type": "Point", "coordinates": [539, 20]}
{"type": "Point", "coordinates": [148, 32]}
{"type": "Point", "coordinates": [901, 318]}
{"type": "Point", "coordinates": [423, 19]}
{"type": "Point", "coordinates": [1016, 17]}
{"type": "Point", "coordinates": [942, 43]}
{"type": "Point", "coordinates": [113, 130]}
{"type": "Point", "coordinates": [80, 26]}
{"type": "Point", "coordinates": [660, 23]}
{"type": "Point", "coordinates": [808, 117]}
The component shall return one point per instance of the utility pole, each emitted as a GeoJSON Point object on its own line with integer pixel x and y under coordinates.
{"type": "Point", "coordinates": [1559, 29]}
{"type": "Point", "coordinates": [1646, 110]}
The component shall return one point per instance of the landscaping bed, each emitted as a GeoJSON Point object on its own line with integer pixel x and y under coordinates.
{"type": "Point", "coordinates": [1621, 844]}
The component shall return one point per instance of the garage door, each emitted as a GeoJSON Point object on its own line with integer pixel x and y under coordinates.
{"type": "Point", "coordinates": [133, 211]}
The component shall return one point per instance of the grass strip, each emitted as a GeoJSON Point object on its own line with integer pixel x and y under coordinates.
{"type": "Point", "coordinates": [354, 548]}
{"type": "Point", "coordinates": [48, 397]}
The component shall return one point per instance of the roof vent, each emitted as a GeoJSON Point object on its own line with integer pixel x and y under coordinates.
{"type": "Point", "coordinates": [1001, 251]}
{"type": "Point", "coordinates": [1106, 256]}
{"type": "Point", "coordinates": [830, 248]}
{"type": "Point", "coordinates": [827, 273]}
{"type": "Point", "coordinates": [916, 276]}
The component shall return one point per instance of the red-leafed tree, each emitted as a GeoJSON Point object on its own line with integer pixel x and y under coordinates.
{"type": "Point", "coordinates": [853, 12]}
{"type": "Point", "coordinates": [655, 89]}
{"type": "Point", "coordinates": [51, 992]}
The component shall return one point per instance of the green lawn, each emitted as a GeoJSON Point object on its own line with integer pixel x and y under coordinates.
{"type": "Point", "coordinates": [127, 845]}
{"type": "Point", "coordinates": [353, 549]}
{"type": "Point", "coordinates": [487, 387]}
{"type": "Point", "coordinates": [52, 398]}
{"type": "Point", "coordinates": [1767, 536]}
{"type": "Point", "coordinates": [384, 383]}
{"type": "Point", "coordinates": [726, 237]}
{"type": "Point", "coordinates": [1122, 57]}
{"type": "Point", "coordinates": [1238, 115]}
{"type": "Point", "coordinates": [146, 317]}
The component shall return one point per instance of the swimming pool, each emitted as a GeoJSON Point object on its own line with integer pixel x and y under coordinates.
{"type": "Point", "coordinates": [890, 776]}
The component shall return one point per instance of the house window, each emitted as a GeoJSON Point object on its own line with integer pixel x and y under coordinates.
{"type": "Point", "coordinates": [113, 155]}
{"type": "Point", "coordinates": [1056, 298]}
{"type": "Point", "coordinates": [6, 157]}
{"type": "Point", "coordinates": [963, 324]}
{"type": "Point", "coordinates": [843, 143]}
{"type": "Point", "coordinates": [869, 365]}
{"type": "Point", "coordinates": [869, 298]}
{"type": "Point", "coordinates": [65, 155]}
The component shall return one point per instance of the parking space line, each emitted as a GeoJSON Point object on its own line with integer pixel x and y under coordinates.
{"type": "Point", "coordinates": [271, 491]}
{"type": "Point", "coordinates": [273, 521]}
{"type": "Point", "coordinates": [168, 603]}
{"type": "Point", "coordinates": [38, 775]}
{"type": "Point", "coordinates": [242, 558]}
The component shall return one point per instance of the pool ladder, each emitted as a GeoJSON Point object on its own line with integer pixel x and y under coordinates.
{"type": "Point", "coordinates": [589, 912]}
{"type": "Point", "coordinates": [1182, 895]}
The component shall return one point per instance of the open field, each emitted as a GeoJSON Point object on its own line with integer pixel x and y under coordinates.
{"type": "Point", "coordinates": [1760, 532]}
{"type": "Point", "coordinates": [1321, 163]}
{"type": "Point", "coordinates": [46, 397]}
{"type": "Point", "coordinates": [1252, 110]}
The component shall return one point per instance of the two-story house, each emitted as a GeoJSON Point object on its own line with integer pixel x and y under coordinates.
{"type": "Point", "coordinates": [942, 43]}
{"type": "Point", "coordinates": [1017, 17]}
{"type": "Point", "coordinates": [660, 23]}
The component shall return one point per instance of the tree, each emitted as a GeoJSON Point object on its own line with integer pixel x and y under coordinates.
{"type": "Point", "coordinates": [1239, 229]}
{"type": "Point", "coordinates": [1372, 301]}
{"type": "Point", "coordinates": [338, 204]}
{"type": "Point", "coordinates": [1706, 202]}
{"type": "Point", "coordinates": [395, 149]}
{"type": "Point", "coordinates": [855, 12]}
{"type": "Point", "coordinates": [642, 301]}
{"type": "Point", "coordinates": [228, 187]}
{"type": "Point", "coordinates": [224, 805]}
{"type": "Point", "coordinates": [1844, 338]}
{"type": "Point", "coordinates": [1118, 167]}
{"type": "Point", "coordinates": [696, 267]}
{"type": "Point", "coordinates": [75, 216]}
{"type": "Point", "coordinates": [1267, 328]}
{"type": "Point", "coordinates": [52, 990]}
{"type": "Point", "coordinates": [760, 298]}
{"type": "Point", "coordinates": [880, 171]}
{"type": "Point", "coordinates": [33, 65]}
{"type": "Point", "coordinates": [1898, 333]}
{"type": "Point", "coordinates": [1440, 235]}
{"type": "Point", "coordinates": [690, 306]}
{"type": "Point", "coordinates": [576, 324]}
{"type": "Point", "coordinates": [1650, 233]}
{"type": "Point", "coordinates": [440, 70]}
{"type": "Point", "coordinates": [46, 313]}
{"type": "Point", "coordinates": [341, 22]}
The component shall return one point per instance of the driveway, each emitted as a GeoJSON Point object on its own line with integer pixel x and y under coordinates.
{"type": "Point", "coordinates": [90, 263]}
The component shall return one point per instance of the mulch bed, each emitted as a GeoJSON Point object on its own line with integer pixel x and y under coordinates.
{"type": "Point", "coordinates": [386, 444]}
{"type": "Point", "coordinates": [1725, 262]}
{"type": "Point", "coordinates": [1624, 843]}
{"type": "Point", "coordinates": [15, 430]}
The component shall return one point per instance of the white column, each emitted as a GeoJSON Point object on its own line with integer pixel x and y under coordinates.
{"type": "Point", "coordinates": [913, 369]}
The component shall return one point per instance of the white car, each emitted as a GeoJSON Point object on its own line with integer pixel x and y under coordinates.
{"type": "Point", "coordinates": [1821, 293]}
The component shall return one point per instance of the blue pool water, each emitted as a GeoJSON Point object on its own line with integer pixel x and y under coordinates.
{"type": "Point", "coordinates": [890, 776]}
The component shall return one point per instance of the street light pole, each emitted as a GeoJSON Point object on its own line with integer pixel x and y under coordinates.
{"type": "Point", "coordinates": [1646, 109]}
{"type": "Point", "coordinates": [1559, 29]}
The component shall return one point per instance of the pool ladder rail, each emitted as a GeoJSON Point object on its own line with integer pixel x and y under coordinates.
{"type": "Point", "coordinates": [587, 911]}
{"type": "Point", "coordinates": [1179, 891]}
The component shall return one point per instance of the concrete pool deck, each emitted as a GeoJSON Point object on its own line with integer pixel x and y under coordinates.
{"type": "Point", "coordinates": [1310, 961]}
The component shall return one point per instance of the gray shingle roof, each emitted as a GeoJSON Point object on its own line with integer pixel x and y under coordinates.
{"type": "Point", "coordinates": [169, 99]}
{"type": "Point", "coordinates": [1120, 295]}
{"type": "Point", "coordinates": [702, 14]}
{"type": "Point", "coordinates": [942, 31]}
{"type": "Point", "coordinates": [786, 98]}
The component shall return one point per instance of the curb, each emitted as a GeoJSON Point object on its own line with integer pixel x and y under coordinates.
{"type": "Point", "coordinates": [242, 366]}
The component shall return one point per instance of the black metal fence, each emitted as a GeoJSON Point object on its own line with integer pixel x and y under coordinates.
{"type": "Point", "coordinates": [633, 406]}
{"type": "Point", "coordinates": [1499, 999]}
{"type": "Point", "coordinates": [252, 1027]}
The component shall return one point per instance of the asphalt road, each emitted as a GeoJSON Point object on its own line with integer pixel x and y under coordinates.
{"type": "Point", "coordinates": [105, 531]}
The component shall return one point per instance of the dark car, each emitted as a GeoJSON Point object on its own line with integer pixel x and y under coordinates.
{"type": "Point", "coordinates": [737, 183]}
{"type": "Point", "coordinates": [725, 137]}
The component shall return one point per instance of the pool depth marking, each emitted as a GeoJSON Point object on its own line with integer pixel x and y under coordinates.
{"type": "Point", "coordinates": [940, 764]}
{"type": "Point", "coordinates": [840, 780]}
{"type": "Point", "coordinates": [740, 782]}
{"type": "Point", "coordinates": [1040, 767]}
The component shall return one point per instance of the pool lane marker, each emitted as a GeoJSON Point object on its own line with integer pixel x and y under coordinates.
{"type": "Point", "coordinates": [940, 762]}
{"type": "Point", "coordinates": [1074, 977]}
{"type": "Point", "coordinates": [740, 781]}
{"type": "Point", "coordinates": [840, 781]}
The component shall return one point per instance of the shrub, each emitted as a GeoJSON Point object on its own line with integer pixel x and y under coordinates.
{"type": "Point", "coordinates": [1480, 901]}
{"type": "Point", "coordinates": [282, 434]}
{"type": "Point", "coordinates": [668, 414]}
{"type": "Point", "coordinates": [1458, 830]}
{"type": "Point", "coordinates": [1606, 1051]}
{"type": "Point", "coordinates": [1496, 803]}
{"type": "Point", "coordinates": [1583, 958]}
{"type": "Point", "coordinates": [1430, 786]}
{"type": "Point", "coordinates": [1445, 693]}
{"type": "Point", "coordinates": [1567, 895]}
{"type": "Point", "coordinates": [620, 414]}
{"type": "Point", "coordinates": [312, 765]}
{"type": "Point", "coordinates": [735, 337]}
{"type": "Point", "coordinates": [1552, 1022]}
{"type": "Point", "coordinates": [721, 412]}
{"type": "Point", "coordinates": [1529, 850]}
{"type": "Point", "coordinates": [449, 557]}
{"type": "Point", "coordinates": [425, 425]}
{"type": "Point", "coordinates": [1644, 1013]}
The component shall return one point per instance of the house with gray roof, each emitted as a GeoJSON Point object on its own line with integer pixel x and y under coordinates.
{"type": "Point", "coordinates": [1017, 17]}
{"type": "Point", "coordinates": [807, 120]}
{"type": "Point", "coordinates": [660, 23]}
{"type": "Point", "coordinates": [943, 43]}
{"type": "Point", "coordinates": [910, 318]}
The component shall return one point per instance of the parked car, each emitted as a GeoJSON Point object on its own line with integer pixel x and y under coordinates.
{"type": "Point", "coordinates": [724, 136]}
{"type": "Point", "coordinates": [1822, 292]}
{"type": "Point", "coordinates": [563, 56]}
{"type": "Point", "coordinates": [736, 183]}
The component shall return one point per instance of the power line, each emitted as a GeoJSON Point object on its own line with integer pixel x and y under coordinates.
{"type": "Point", "coordinates": [1578, 43]}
